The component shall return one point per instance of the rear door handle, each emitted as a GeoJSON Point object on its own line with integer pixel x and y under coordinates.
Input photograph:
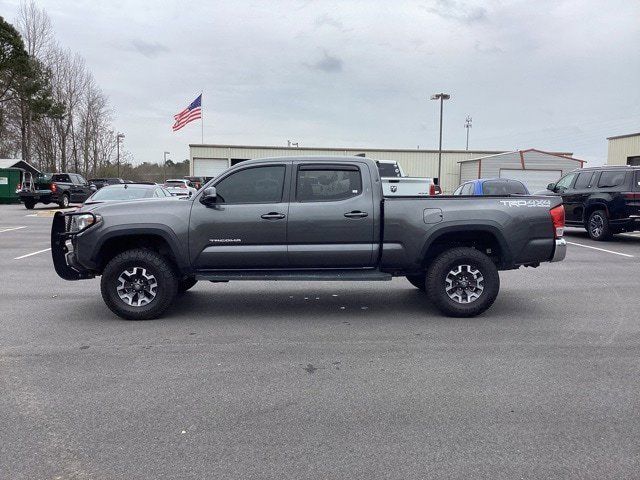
{"type": "Point", "coordinates": [272, 216]}
{"type": "Point", "coordinates": [356, 214]}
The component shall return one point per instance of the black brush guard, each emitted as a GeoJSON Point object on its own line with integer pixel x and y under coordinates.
{"type": "Point", "coordinates": [64, 261]}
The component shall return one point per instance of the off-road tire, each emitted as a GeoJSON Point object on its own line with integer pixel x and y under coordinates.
{"type": "Point", "coordinates": [64, 201]}
{"type": "Point", "coordinates": [29, 204]}
{"type": "Point", "coordinates": [598, 226]}
{"type": "Point", "coordinates": [157, 265]}
{"type": "Point", "coordinates": [186, 284]}
{"type": "Point", "coordinates": [447, 262]}
{"type": "Point", "coordinates": [418, 281]}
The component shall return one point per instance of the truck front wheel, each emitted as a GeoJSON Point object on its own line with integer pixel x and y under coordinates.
{"type": "Point", "coordinates": [139, 284]}
{"type": "Point", "coordinates": [29, 204]}
{"type": "Point", "coordinates": [462, 282]}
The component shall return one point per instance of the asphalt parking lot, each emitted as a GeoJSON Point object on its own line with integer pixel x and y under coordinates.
{"type": "Point", "coordinates": [321, 380]}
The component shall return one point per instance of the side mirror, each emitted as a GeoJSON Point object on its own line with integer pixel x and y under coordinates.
{"type": "Point", "coordinates": [551, 187]}
{"type": "Point", "coordinates": [209, 196]}
{"type": "Point", "coordinates": [93, 187]}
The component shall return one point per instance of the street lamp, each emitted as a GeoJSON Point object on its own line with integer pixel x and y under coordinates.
{"type": "Point", "coordinates": [164, 167]}
{"type": "Point", "coordinates": [467, 125]}
{"type": "Point", "coordinates": [119, 137]}
{"type": "Point", "coordinates": [442, 97]}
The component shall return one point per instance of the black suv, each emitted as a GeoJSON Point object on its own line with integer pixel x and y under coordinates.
{"type": "Point", "coordinates": [604, 200]}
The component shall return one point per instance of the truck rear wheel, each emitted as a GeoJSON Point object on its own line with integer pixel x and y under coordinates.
{"type": "Point", "coordinates": [418, 281]}
{"type": "Point", "coordinates": [138, 284]}
{"type": "Point", "coordinates": [462, 282]}
{"type": "Point", "coordinates": [29, 204]}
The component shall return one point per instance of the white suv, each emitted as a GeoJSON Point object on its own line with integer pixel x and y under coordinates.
{"type": "Point", "coordinates": [179, 187]}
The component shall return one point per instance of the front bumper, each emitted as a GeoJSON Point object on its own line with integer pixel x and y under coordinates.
{"type": "Point", "coordinates": [62, 252]}
{"type": "Point", "coordinates": [560, 250]}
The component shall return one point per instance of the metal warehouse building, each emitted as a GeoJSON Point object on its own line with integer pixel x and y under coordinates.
{"type": "Point", "coordinates": [624, 150]}
{"type": "Point", "coordinates": [211, 160]}
{"type": "Point", "coordinates": [535, 168]}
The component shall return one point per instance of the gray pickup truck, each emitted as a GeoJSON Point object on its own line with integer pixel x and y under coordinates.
{"type": "Point", "coordinates": [305, 218]}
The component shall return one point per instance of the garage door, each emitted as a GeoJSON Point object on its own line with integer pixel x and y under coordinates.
{"type": "Point", "coordinates": [209, 167]}
{"type": "Point", "coordinates": [535, 180]}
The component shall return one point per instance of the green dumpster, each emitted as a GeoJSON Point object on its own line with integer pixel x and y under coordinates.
{"type": "Point", "coordinates": [10, 178]}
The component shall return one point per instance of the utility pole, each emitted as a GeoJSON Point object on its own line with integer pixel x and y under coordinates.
{"type": "Point", "coordinates": [119, 136]}
{"type": "Point", "coordinates": [467, 125]}
{"type": "Point", "coordinates": [442, 97]}
{"type": "Point", "coordinates": [164, 167]}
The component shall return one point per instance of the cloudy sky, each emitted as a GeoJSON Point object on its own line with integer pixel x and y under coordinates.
{"type": "Point", "coordinates": [555, 75]}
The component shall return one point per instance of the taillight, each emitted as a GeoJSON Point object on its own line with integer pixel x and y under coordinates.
{"type": "Point", "coordinates": [19, 186]}
{"type": "Point", "coordinates": [432, 189]}
{"type": "Point", "coordinates": [53, 187]}
{"type": "Point", "coordinates": [631, 196]}
{"type": "Point", "coordinates": [557, 217]}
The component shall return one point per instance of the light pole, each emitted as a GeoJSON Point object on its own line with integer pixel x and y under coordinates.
{"type": "Point", "coordinates": [164, 167]}
{"type": "Point", "coordinates": [119, 136]}
{"type": "Point", "coordinates": [467, 125]}
{"type": "Point", "coordinates": [442, 97]}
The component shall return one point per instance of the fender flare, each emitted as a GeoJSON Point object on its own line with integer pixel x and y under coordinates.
{"type": "Point", "coordinates": [491, 228]}
{"type": "Point", "coordinates": [150, 229]}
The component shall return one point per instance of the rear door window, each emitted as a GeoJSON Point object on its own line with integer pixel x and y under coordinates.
{"type": "Point", "coordinates": [60, 177]}
{"type": "Point", "coordinates": [612, 178]}
{"type": "Point", "coordinates": [389, 170]}
{"type": "Point", "coordinates": [583, 181]}
{"type": "Point", "coordinates": [637, 180]}
{"type": "Point", "coordinates": [327, 184]}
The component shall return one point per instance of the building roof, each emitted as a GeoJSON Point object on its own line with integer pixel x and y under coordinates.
{"type": "Point", "coordinates": [565, 155]}
{"type": "Point", "coordinates": [624, 136]}
{"type": "Point", "coordinates": [343, 149]}
{"type": "Point", "coordinates": [17, 163]}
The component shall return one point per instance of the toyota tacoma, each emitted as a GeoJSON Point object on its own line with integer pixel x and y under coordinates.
{"type": "Point", "coordinates": [300, 219]}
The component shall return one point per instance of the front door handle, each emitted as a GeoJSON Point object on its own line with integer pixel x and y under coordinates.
{"type": "Point", "coordinates": [356, 214]}
{"type": "Point", "coordinates": [272, 216]}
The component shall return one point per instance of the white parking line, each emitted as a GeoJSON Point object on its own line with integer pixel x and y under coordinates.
{"type": "Point", "coordinates": [33, 253]}
{"type": "Point", "coordinates": [600, 249]}
{"type": "Point", "coordinates": [12, 229]}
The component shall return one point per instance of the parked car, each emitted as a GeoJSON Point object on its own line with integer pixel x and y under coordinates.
{"type": "Point", "coordinates": [103, 182]}
{"type": "Point", "coordinates": [180, 187]}
{"type": "Point", "coordinates": [603, 200]}
{"type": "Point", "coordinates": [60, 188]}
{"type": "Point", "coordinates": [396, 183]}
{"type": "Point", "coordinates": [492, 186]}
{"type": "Point", "coordinates": [127, 191]}
{"type": "Point", "coordinates": [318, 218]}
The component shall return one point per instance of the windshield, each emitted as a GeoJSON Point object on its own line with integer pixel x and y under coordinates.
{"type": "Point", "coordinates": [498, 187]}
{"type": "Point", "coordinates": [121, 193]}
{"type": "Point", "coordinates": [388, 170]}
{"type": "Point", "coordinates": [174, 183]}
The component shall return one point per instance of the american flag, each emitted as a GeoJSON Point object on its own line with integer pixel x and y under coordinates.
{"type": "Point", "coordinates": [189, 114]}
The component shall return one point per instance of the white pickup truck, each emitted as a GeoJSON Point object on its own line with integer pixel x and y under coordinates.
{"type": "Point", "coordinates": [396, 184]}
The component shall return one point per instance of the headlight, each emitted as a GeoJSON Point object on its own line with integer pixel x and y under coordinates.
{"type": "Point", "coordinates": [82, 222]}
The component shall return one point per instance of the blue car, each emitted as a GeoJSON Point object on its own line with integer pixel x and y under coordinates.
{"type": "Point", "coordinates": [492, 186]}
